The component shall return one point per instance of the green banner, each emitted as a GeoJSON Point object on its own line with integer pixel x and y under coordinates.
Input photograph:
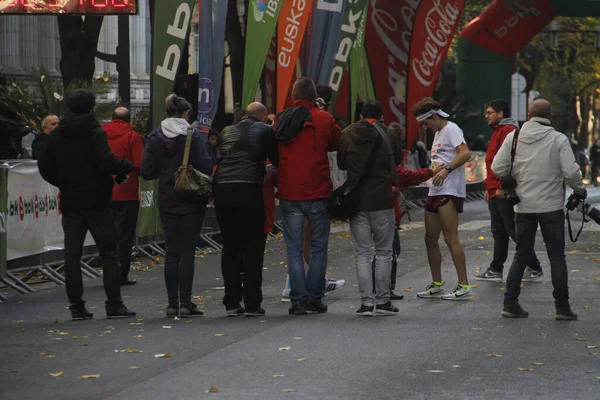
{"type": "Point", "coordinates": [171, 22]}
{"type": "Point", "coordinates": [148, 218]}
{"type": "Point", "coordinates": [366, 90]}
{"type": "Point", "coordinates": [356, 62]}
{"type": "Point", "coordinates": [351, 26]}
{"type": "Point", "coordinates": [3, 216]}
{"type": "Point", "coordinates": [262, 19]}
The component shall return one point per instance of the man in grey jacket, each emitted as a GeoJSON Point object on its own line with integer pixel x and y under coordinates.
{"type": "Point", "coordinates": [543, 161]}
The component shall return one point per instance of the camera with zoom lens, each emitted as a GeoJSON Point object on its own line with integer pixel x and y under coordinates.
{"type": "Point", "coordinates": [576, 202]}
{"type": "Point", "coordinates": [509, 184]}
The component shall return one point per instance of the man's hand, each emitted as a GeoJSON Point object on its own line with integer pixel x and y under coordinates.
{"type": "Point", "coordinates": [438, 169]}
{"type": "Point", "coordinates": [499, 193]}
{"type": "Point", "coordinates": [581, 193]}
{"type": "Point", "coordinates": [440, 177]}
{"type": "Point", "coordinates": [486, 196]}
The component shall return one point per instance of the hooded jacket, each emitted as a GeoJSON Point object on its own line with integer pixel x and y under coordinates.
{"type": "Point", "coordinates": [80, 163]}
{"type": "Point", "coordinates": [355, 147]}
{"type": "Point", "coordinates": [543, 161]}
{"type": "Point", "coordinates": [492, 182]}
{"type": "Point", "coordinates": [125, 143]}
{"type": "Point", "coordinates": [164, 155]}
{"type": "Point", "coordinates": [303, 160]}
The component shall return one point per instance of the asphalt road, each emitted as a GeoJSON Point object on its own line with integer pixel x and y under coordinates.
{"type": "Point", "coordinates": [433, 349]}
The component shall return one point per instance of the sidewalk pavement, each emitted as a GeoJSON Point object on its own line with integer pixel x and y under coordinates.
{"type": "Point", "coordinates": [433, 349]}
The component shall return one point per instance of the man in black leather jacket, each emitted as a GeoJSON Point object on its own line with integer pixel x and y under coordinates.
{"type": "Point", "coordinates": [237, 186]}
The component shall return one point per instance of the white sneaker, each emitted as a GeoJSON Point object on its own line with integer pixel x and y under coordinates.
{"type": "Point", "coordinates": [459, 294]}
{"type": "Point", "coordinates": [432, 291]}
{"type": "Point", "coordinates": [332, 286]}
{"type": "Point", "coordinates": [285, 295]}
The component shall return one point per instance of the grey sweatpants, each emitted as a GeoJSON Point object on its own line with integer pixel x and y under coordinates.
{"type": "Point", "coordinates": [373, 229]}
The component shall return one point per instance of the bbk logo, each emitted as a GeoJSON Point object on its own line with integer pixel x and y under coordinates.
{"type": "Point", "coordinates": [205, 95]}
{"type": "Point", "coordinates": [147, 198]}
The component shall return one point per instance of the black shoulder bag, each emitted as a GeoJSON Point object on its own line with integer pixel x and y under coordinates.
{"type": "Point", "coordinates": [508, 182]}
{"type": "Point", "coordinates": [343, 202]}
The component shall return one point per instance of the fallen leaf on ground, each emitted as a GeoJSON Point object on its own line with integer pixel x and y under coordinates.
{"type": "Point", "coordinates": [90, 376]}
{"type": "Point", "coordinates": [139, 336]}
{"type": "Point", "coordinates": [494, 355]}
{"type": "Point", "coordinates": [298, 338]}
{"type": "Point", "coordinates": [476, 329]}
{"type": "Point", "coordinates": [56, 338]}
{"type": "Point", "coordinates": [128, 351]}
{"type": "Point", "coordinates": [288, 390]}
{"type": "Point", "coordinates": [278, 375]}
{"type": "Point", "coordinates": [18, 321]}
{"type": "Point", "coordinates": [301, 359]}
{"type": "Point", "coordinates": [592, 371]}
{"type": "Point", "coordinates": [456, 366]}
{"type": "Point", "coordinates": [481, 238]}
{"type": "Point", "coordinates": [132, 367]}
{"type": "Point", "coordinates": [57, 374]}
{"type": "Point", "coordinates": [80, 337]}
{"type": "Point", "coordinates": [593, 346]}
{"type": "Point", "coordinates": [408, 290]}
{"type": "Point", "coordinates": [593, 353]}
{"type": "Point", "coordinates": [136, 323]}
{"type": "Point", "coordinates": [190, 320]}
{"type": "Point", "coordinates": [166, 355]}
{"type": "Point", "coordinates": [525, 369]}
{"type": "Point", "coordinates": [263, 321]}
{"type": "Point", "coordinates": [219, 334]}
{"type": "Point", "coordinates": [537, 363]}
{"type": "Point", "coordinates": [286, 348]}
{"type": "Point", "coordinates": [166, 326]}
{"type": "Point", "coordinates": [50, 356]}
{"type": "Point", "coordinates": [213, 390]}
{"type": "Point", "coordinates": [580, 339]}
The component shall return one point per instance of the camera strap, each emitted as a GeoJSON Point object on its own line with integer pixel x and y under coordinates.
{"type": "Point", "coordinates": [513, 150]}
{"type": "Point", "coordinates": [583, 221]}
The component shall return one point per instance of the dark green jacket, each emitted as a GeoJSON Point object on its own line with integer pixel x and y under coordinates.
{"type": "Point", "coordinates": [354, 149]}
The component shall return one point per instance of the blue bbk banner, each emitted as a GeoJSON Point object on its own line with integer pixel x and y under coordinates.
{"type": "Point", "coordinates": [326, 26]}
{"type": "Point", "coordinates": [211, 49]}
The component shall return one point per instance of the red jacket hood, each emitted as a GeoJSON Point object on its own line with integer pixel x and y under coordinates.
{"type": "Point", "coordinates": [306, 103]}
{"type": "Point", "coordinates": [117, 128]}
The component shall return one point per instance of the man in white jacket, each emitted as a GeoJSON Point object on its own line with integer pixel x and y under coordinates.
{"type": "Point", "coordinates": [543, 161]}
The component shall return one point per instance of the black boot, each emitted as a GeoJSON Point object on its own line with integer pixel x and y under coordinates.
{"type": "Point", "coordinates": [79, 312]}
{"type": "Point", "coordinates": [114, 311]}
{"type": "Point", "coordinates": [565, 314]}
{"type": "Point", "coordinates": [514, 311]}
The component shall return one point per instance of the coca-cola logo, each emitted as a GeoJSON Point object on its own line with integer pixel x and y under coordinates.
{"type": "Point", "coordinates": [440, 22]}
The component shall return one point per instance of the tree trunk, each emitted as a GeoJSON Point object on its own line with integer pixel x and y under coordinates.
{"type": "Point", "coordinates": [584, 111]}
{"type": "Point", "coordinates": [78, 45]}
{"type": "Point", "coordinates": [237, 49]}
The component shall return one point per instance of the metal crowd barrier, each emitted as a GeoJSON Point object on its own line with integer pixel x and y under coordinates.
{"type": "Point", "coordinates": [31, 236]}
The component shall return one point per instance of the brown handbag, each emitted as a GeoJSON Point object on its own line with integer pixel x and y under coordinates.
{"type": "Point", "coordinates": [190, 183]}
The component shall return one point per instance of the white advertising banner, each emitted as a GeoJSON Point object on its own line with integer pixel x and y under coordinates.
{"type": "Point", "coordinates": [33, 219]}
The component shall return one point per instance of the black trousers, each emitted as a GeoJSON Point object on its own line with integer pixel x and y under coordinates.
{"type": "Point", "coordinates": [126, 216]}
{"type": "Point", "coordinates": [101, 225]}
{"type": "Point", "coordinates": [241, 214]}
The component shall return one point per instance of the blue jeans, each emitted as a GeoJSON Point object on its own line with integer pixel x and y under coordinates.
{"type": "Point", "coordinates": [182, 233]}
{"type": "Point", "coordinates": [552, 225]}
{"type": "Point", "coordinates": [503, 229]}
{"type": "Point", "coordinates": [309, 285]}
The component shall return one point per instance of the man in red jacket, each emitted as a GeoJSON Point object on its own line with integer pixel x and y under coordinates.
{"type": "Point", "coordinates": [125, 143]}
{"type": "Point", "coordinates": [305, 135]}
{"type": "Point", "coordinates": [502, 214]}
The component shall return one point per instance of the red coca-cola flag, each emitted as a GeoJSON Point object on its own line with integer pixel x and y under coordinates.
{"type": "Point", "coordinates": [387, 40]}
{"type": "Point", "coordinates": [504, 30]}
{"type": "Point", "coordinates": [435, 25]}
